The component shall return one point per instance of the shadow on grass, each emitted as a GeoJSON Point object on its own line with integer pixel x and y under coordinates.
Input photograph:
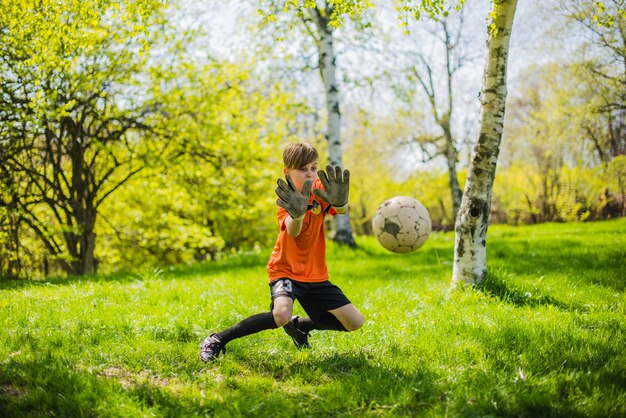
{"type": "Point", "coordinates": [336, 384]}
{"type": "Point", "coordinates": [324, 384]}
{"type": "Point", "coordinates": [507, 291]}
{"type": "Point", "coordinates": [47, 388]}
{"type": "Point", "coordinates": [590, 264]}
{"type": "Point", "coordinates": [548, 370]}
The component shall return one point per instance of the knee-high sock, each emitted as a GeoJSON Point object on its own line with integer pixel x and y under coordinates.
{"type": "Point", "coordinates": [327, 321]}
{"type": "Point", "coordinates": [250, 325]}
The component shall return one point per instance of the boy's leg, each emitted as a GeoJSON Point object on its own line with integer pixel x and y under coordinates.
{"type": "Point", "coordinates": [345, 318]}
{"type": "Point", "coordinates": [280, 314]}
{"type": "Point", "coordinates": [215, 343]}
{"type": "Point", "coordinates": [328, 309]}
{"type": "Point", "coordinates": [298, 328]}
{"type": "Point", "coordinates": [349, 316]}
{"type": "Point", "coordinates": [282, 308]}
{"type": "Point", "coordinates": [250, 325]}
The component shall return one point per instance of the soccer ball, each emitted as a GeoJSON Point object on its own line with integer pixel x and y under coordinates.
{"type": "Point", "coordinates": [401, 224]}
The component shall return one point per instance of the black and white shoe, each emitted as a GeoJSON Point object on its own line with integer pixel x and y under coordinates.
{"type": "Point", "coordinates": [300, 338]}
{"type": "Point", "coordinates": [211, 348]}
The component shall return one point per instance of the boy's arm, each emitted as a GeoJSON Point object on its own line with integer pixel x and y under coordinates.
{"type": "Point", "coordinates": [294, 226]}
{"type": "Point", "coordinates": [294, 202]}
{"type": "Point", "coordinates": [341, 209]}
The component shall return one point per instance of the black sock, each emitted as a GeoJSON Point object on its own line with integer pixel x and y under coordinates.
{"type": "Point", "coordinates": [304, 324]}
{"type": "Point", "coordinates": [250, 325]}
{"type": "Point", "coordinates": [328, 322]}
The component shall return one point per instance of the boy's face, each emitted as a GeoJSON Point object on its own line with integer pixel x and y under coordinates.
{"type": "Point", "coordinates": [300, 174]}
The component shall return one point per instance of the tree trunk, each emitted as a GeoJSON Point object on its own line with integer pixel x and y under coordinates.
{"type": "Point", "coordinates": [12, 244]}
{"type": "Point", "coordinates": [470, 246]}
{"type": "Point", "coordinates": [81, 241]}
{"type": "Point", "coordinates": [327, 64]}
{"type": "Point", "coordinates": [444, 118]}
{"type": "Point", "coordinates": [453, 180]}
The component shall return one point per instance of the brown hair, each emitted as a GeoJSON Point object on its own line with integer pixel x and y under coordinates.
{"type": "Point", "coordinates": [299, 154]}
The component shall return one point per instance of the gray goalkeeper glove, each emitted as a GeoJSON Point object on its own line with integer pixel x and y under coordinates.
{"type": "Point", "coordinates": [290, 199]}
{"type": "Point", "coordinates": [336, 186]}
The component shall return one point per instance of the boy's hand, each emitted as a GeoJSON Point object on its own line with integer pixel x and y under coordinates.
{"type": "Point", "coordinates": [290, 199]}
{"type": "Point", "coordinates": [336, 186]}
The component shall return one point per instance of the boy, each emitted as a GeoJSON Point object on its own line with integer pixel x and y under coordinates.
{"type": "Point", "coordinates": [297, 267]}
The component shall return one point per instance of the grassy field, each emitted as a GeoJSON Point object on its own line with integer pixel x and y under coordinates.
{"type": "Point", "coordinates": [545, 335]}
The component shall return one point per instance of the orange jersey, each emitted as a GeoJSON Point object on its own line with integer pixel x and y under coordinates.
{"type": "Point", "coordinates": [302, 258]}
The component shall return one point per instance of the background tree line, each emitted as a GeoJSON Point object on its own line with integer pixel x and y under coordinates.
{"type": "Point", "coordinates": [125, 142]}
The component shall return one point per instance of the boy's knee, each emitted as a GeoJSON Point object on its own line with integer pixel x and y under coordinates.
{"type": "Point", "coordinates": [282, 315]}
{"type": "Point", "coordinates": [355, 323]}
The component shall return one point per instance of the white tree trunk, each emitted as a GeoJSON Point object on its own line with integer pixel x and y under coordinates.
{"type": "Point", "coordinates": [470, 246]}
{"type": "Point", "coordinates": [328, 68]}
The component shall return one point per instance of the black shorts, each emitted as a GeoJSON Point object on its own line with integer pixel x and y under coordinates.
{"type": "Point", "coordinates": [315, 298]}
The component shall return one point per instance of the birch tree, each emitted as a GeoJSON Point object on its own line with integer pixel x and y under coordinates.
{"type": "Point", "coordinates": [470, 255]}
{"type": "Point", "coordinates": [470, 245]}
{"type": "Point", "coordinates": [320, 16]}
{"type": "Point", "coordinates": [320, 19]}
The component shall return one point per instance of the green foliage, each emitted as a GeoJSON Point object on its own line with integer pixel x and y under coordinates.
{"type": "Point", "coordinates": [72, 105]}
{"type": "Point", "coordinates": [606, 17]}
{"type": "Point", "coordinates": [597, 75]}
{"type": "Point", "coordinates": [616, 174]}
{"type": "Point", "coordinates": [212, 192]}
{"type": "Point", "coordinates": [339, 8]}
{"type": "Point", "coordinates": [522, 194]}
{"type": "Point", "coordinates": [544, 336]}
{"type": "Point", "coordinates": [153, 222]}
{"type": "Point", "coordinates": [433, 8]}
{"type": "Point", "coordinates": [333, 10]}
{"type": "Point", "coordinates": [560, 149]}
{"type": "Point", "coordinates": [112, 95]}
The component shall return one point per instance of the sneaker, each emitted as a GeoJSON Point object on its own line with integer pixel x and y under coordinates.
{"type": "Point", "coordinates": [300, 338]}
{"type": "Point", "coordinates": [211, 348]}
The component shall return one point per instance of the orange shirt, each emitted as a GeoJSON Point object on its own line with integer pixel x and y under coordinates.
{"type": "Point", "coordinates": [302, 258]}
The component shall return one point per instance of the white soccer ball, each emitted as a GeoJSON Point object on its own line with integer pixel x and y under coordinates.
{"type": "Point", "coordinates": [401, 224]}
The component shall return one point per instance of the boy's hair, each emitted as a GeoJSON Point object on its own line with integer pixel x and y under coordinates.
{"type": "Point", "coordinates": [299, 154]}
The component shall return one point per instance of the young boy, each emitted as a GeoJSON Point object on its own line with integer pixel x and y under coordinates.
{"type": "Point", "coordinates": [297, 267]}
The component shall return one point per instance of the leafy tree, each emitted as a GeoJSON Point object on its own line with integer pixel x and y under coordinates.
{"type": "Point", "coordinates": [599, 65]}
{"type": "Point", "coordinates": [211, 192]}
{"type": "Point", "coordinates": [570, 118]}
{"type": "Point", "coordinates": [10, 261]}
{"type": "Point", "coordinates": [73, 104]}
{"type": "Point", "coordinates": [542, 132]}
{"type": "Point", "coordinates": [435, 76]}
{"type": "Point", "coordinates": [616, 174]}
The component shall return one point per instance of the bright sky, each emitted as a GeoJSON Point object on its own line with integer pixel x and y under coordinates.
{"type": "Point", "coordinates": [226, 23]}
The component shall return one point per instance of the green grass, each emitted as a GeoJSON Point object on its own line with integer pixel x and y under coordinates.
{"type": "Point", "coordinates": [545, 335]}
